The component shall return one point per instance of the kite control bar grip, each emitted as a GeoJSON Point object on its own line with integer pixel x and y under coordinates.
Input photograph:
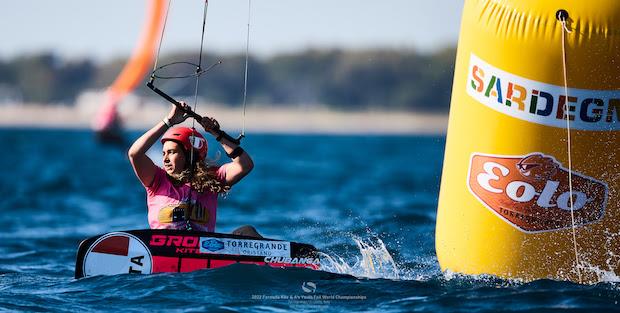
{"type": "Point", "coordinates": [221, 133]}
{"type": "Point", "coordinates": [173, 101]}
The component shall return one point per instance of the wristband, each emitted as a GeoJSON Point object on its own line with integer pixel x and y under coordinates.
{"type": "Point", "coordinates": [223, 135]}
{"type": "Point", "coordinates": [236, 152]}
{"type": "Point", "coordinates": [167, 122]}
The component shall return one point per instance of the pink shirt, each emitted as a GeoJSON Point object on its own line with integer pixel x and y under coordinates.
{"type": "Point", "coordinates": [164, 200]}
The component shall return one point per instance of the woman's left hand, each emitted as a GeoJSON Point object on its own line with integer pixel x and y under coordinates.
{"type": "Point", "coordinates": [210, 124]}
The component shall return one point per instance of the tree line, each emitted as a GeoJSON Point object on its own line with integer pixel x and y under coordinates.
{"type": "Point", "coordinates": [344, 80]}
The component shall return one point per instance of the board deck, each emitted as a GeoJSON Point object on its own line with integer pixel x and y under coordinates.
{"type": "Point", "coordinates": [172, 251]}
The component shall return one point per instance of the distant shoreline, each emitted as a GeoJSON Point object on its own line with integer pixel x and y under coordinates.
{"type": "Point", "coordinates": [140, 116]}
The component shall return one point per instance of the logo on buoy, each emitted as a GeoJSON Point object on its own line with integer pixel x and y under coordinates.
{"type": "Point", "coordinates": [532, 192]}
{"type": "Point", "coordinates": [542, 103]}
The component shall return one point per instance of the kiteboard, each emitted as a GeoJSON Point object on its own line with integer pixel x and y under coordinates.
{"type": "Point", "coordinates": [151, 251]}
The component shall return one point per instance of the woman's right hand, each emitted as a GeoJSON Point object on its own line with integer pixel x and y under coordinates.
{"type": "Point", "coordinates": [178, 115]}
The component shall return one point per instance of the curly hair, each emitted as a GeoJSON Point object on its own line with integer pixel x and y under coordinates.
{"type": "Point", "coordinates": [202, 176]}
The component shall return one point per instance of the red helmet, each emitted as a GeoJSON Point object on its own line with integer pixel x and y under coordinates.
{"type": "Point", "coordinates": [187, 137]}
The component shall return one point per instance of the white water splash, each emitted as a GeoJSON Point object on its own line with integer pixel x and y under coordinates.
{"type": "Point", "coordinates": [375, 262]}
{"type": "Point", "coordinates": [594, 275]}
{"type": "Point", "coordinates": [602, 275]}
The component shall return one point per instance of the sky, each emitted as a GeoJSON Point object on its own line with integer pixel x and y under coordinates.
{"type": "Point", "coordinates": [107, 29]}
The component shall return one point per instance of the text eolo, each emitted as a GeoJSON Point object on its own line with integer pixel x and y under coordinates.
{"type": "Point", "coordinates": [521, 191]}
{"type": "Point", "coordinates": [532, 192]}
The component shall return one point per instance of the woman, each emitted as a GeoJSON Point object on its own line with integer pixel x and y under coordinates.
{"type": "Point", "coordinates": [183, 195]}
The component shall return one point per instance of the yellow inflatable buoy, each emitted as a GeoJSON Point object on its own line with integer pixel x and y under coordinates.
{"type": "Point", "coordinates": [531, 172]}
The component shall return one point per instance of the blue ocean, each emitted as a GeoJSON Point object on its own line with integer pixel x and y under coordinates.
{"type": "Point", "coordinates": [367, 202]}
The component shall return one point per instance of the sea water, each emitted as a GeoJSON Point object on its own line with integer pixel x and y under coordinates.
{"type": "Point", "coordinates": [367, 202]}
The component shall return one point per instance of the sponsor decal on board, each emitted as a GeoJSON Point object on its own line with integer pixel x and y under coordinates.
{"type": "Point", "coordinates": [212, 244]}
{"type": "Point", "coordinates": [245, 247]}
{"type": "Point", "coordinates": [180, 244]}
{"type": "Point", "coordinates": [117, 253]}
{"type": "Point", "coordinates": [215, 245]}
{"type": "Point", "coordinates": [531, 192]}
{"type": "Point", "coordinates": [288, 260]}
{"type": "Point", "coordinates": [542, 103]}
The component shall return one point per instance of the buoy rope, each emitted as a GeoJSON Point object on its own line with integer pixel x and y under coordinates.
{"type": "Point", "coordinates": [565, 31]}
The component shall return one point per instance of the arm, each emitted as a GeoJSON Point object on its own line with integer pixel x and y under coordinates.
{"type": "Point", "coordinates": [142, 165]}
{"type": "Point", "coordinates": [240, 165]}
